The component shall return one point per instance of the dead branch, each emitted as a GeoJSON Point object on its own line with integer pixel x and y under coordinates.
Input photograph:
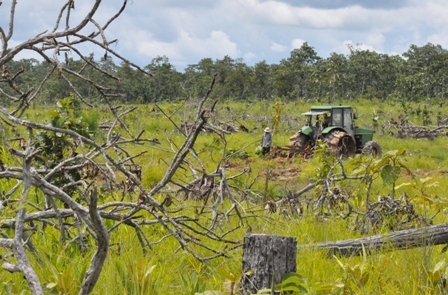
{"type": "Point", "coordinates": [102, 237]}
{"type": "Point", "coordinates": [83, 161]}
{"type": "Point", "coordinates": [404, 239]}
{"type": "Point", "coordinates": [404, 129]}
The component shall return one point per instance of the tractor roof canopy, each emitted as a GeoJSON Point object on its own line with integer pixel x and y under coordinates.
{"type": "Point", "coordinates": [320, 110]}
{"type": "Point", "coordinates": [315, 113]}
{"type": "Point", "coordinates": [327, 108]}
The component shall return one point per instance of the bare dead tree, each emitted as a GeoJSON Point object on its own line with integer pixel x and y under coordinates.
{"type": "Point", "coordinates": [90, 161]}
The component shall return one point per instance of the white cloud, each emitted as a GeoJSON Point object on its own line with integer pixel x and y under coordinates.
{"type": "Point", "coordinates": [187, 31]}
{"type": "Point", "coordinates": [277, 47]}
{"type": "Point", "coordinates": [359, 46]}
{"type": "Point", "coordinates": [344, 47]}
{"type": "Point", "coordinates": [375, 39]}
{"type": "Point", "coordinates": [216, 45]}
{"type": "Point", "coordinates": [297, 43]}
{"type": "Point", "coordinates": [249, 56]}
{"type": "Point", "coordinates": [439, 38]}
{"type": "Point", "coordinates": [280, 13]}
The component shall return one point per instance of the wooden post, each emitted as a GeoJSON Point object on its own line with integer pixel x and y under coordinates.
{"type": "Point", "coordinates": [266, 259]}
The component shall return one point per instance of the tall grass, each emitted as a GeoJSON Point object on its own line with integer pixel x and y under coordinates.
{"type": "Point", "coordinates": [167, 269]}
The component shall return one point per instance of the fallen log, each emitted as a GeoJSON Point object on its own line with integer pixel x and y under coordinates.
{"type": "Point", "coordinates": [399, 240]}
{"type": "Point", "coordinates": [405, 131]}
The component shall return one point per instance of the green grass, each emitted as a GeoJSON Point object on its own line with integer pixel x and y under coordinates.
{"type": "Point", "coordinates": [167, 269]}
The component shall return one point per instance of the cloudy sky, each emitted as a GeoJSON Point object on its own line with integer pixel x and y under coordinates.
{"type": "Point", "coordinates": [255, 30]}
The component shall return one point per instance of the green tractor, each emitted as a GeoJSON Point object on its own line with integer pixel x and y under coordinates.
{"type": "Point", "coordinates": [334, 125]}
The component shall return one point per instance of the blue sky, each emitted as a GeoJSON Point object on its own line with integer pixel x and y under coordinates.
{"type": "Point", "coordinates": [255, 30]}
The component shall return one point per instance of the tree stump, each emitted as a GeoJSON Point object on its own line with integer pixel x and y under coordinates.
{"type": "Point", "coordinates": [265, 260]}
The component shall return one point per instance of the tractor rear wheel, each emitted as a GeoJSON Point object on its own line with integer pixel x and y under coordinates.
{"type": "Point", "coordinates": [340, 142]}
{"type": "Point", "coordinates": [298, 144]}
{"type": "Point", "coordinates": [372, 148]}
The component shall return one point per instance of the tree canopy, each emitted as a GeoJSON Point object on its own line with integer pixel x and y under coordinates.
{"type": "Point", "coordinates": [416, 74]}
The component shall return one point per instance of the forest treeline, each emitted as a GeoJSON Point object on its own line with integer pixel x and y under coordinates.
{"type": "Point", "coordinates": [419, 73]}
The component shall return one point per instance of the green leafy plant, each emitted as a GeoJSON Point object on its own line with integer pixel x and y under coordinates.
{"type": "Point", "coordinates": [60, 272]}
{"type": "Point", "coordinates": [56, 146]}
{"type": "Point", "coordinates": [388, 167]}
{"type": "Point", "coordinates": [191, 284]}
{"type": "Point", "coordinates": [210, 292]}
{"type": "Point", "coordinates": [294, 283]}
{"type": "Point", "coordinates": [438, 273]}
{"type": "Point", "coordinates": [355, 276]}
{"type": "Point", "coordinates": [277, 114]}
{"type": "Point", "coordinates": [135, 276]}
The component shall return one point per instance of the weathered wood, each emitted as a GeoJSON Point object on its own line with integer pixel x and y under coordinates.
{"type": "Point", "coordinates": [265, 260]}
{"type": "Point", "coordinates": [403, 239]}
{"type": "Point", "coordinates": [404, 130]}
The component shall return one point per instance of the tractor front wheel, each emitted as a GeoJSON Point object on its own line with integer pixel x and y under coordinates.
{"type": "Point", "coordinates": [372, 148]}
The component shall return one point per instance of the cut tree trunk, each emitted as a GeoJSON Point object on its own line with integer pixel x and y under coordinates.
{"type": "Point", "coordinates": [265, 260]}
{"type": "Point", "coordinates": [403, 239]}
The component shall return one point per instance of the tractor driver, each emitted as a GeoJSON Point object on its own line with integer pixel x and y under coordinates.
{"type": "Point", "coordinates": [327, 121]}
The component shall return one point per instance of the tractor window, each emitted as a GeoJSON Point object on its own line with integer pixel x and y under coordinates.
{"type": "Point", "coordinates": [347, 118]}
{"type": "Point", "coordinates": [337, 117]}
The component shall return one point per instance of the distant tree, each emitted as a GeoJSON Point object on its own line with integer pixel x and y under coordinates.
{"type": "Point", "coordinates": [390, 68]}
{"type": "Point", "coordinates": [206, 66]}
{"type": "Point", "coordinates": [166, 81]}
{"type": "Point", "coordinates": [134, 85]}
{"type": "Point", "coordinates": [335, 76]}
{"type": "Point", "coordinates": [301, 61]}
{"type": "Point", "coordinates": [426, 68]}
{"type": "Point", "coordinates": [419, 73]}
{"type": "Point", "coordinates": [262, 81]}
{"type": "Point", "coordinates": [363, 70]}
{"type": "Point", "coordinates": [195, 80]}
{"type": "Point", "coordinates": [283, 80]}
{"type": "Point", "coordinates": [239, 81]}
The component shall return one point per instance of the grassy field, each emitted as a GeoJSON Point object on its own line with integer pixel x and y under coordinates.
{"type": "Point", "coordinates": [167, 269]}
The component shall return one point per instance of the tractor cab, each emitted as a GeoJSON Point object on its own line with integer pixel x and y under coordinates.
{"type": "Point", "coordinates": [339, 116]}
{"type": "Point", "coordinates": [322, 120]}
